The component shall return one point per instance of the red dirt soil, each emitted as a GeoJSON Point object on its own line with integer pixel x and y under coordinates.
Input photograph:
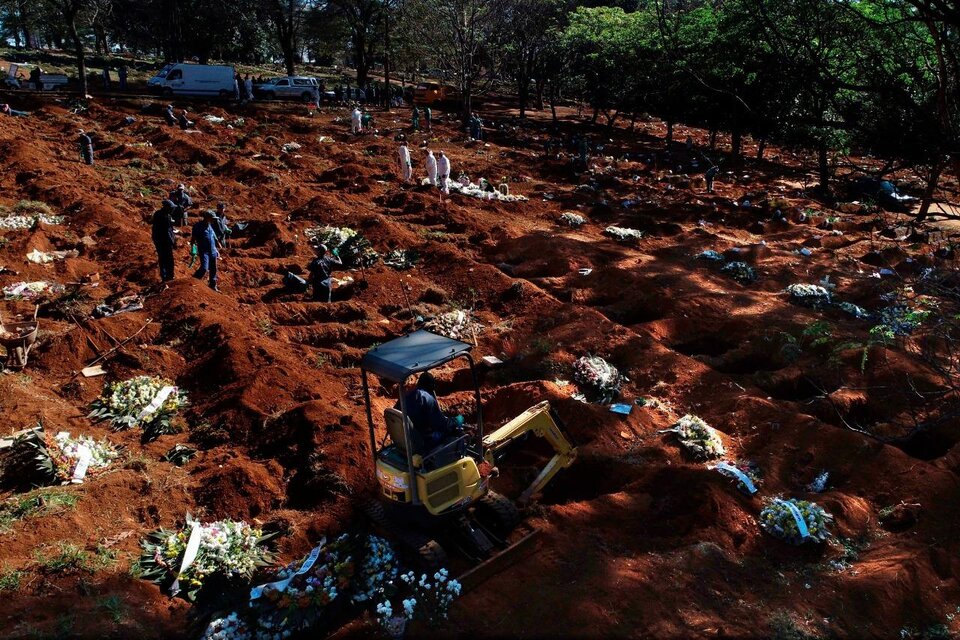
{"type": "Point", "coordinates": [639, 540]}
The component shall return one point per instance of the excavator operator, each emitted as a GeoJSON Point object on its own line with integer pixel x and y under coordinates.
{"type": "Point", "coordinates": [429, 422]}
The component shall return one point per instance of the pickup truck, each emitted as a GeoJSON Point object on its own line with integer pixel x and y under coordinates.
{"type": "Point", "coordinates": [15, 79]}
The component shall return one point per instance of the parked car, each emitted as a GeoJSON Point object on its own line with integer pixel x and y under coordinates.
{"type": "Point", "coordinates": [210, 80]}
{"type": "Point", "coordinates": [883, 192]}
{"type": "Point", "coordinates": [288, 88]}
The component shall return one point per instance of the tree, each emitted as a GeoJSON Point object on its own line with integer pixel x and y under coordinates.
{"type": "Point", "coordinates": [287, 17]}
{"type": "Point", "coordinates": [69, 12]}
{"type": "Point", "coordinates": [363, 17]}
{"type": "Point", "coordinates": [462, 33]}
{"type": "Point", "coordinates": [529, 26]}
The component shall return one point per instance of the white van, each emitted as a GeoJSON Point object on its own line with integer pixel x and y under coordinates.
{"type": "Point", "coordinates": [208, 80]}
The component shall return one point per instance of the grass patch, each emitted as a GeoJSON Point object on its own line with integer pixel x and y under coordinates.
{"type": "Point", "coordinates": [113, 606]}
{"type": "Point", "coordinates": [32, 207]}
{"type": "Point", "coordinates": [264, 326]}
{"type": "Point", "coordinates": [35, 503]}
{"type": "Point", "coordinates": [783, 627]}
{"type": "Point", "coordinates": [10, 579]}
{"type": "Point", "coordinates": [65, 558]}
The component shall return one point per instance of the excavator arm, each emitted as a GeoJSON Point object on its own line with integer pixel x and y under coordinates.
{"type": "Point", "coordinates": [539, 420]}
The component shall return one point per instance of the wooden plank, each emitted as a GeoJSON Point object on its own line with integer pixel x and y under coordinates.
{"type": "Point", "coordinates": [494, 565]}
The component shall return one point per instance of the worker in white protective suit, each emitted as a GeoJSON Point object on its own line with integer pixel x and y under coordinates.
{"type": "Point", "coordinates": [355, 119]}
{"type": "Point", "coordinates": [443, 169]}
{"type": "Point", "coordinates": [405, 167]}
{"type": "Point", "coordinates": [432, 168]}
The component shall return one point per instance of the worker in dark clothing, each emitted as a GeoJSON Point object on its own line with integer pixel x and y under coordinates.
{"type": "Point", "coordinates": [423, 410]}
{"type": "Point", "coordinates": [184, 122]}
{"type": "Point", "coordinates": [122, 75]}
{"type": "Point", "coordinates": [170, 116]}
{"type": "Point", "coordinates": [222, 225]}
{"type": "Point", "coordinates": [86, 147]}
{"type": "Point", "coordinates": [35, 81]}
{"type": "Point", "coordinates": [711, 174]}
{"type": "Point", "coordinates": [164, 239]}
{"type": "Point", "coordinates": [205, 243]}
{"type": "Point", "coordinates": [321, 270]}
{"type": "Point", "coordinates": [181, 199]}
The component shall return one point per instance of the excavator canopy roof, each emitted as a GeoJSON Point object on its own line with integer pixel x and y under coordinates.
{"type": "Point", "coordinates": [419, 351]}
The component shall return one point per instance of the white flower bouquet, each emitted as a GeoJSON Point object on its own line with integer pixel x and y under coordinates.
{"type": "Point", "coordinates": [746, 474]}
{"type": "Point", "coordinates": [699, 439]}
{"type": "Point", "coordinates": [809, 295]}
{"type": "Point", "coordinates": [740, 271]}
{"type": "Point", "coordinates": [58, 456]}
{"type": "Point", "coordinates": [623, 234]}
{"type": "Point", "coordinates": [857, 312]}
{"type": "Point", "coordinates": [571, 219]}
{"type": "Point", "coordinates": [428, 599]}
{"type": "Point", "coordinates": [145, 401]}
{"type": "Point", "coordinates": [597, 378]}
{"type": "Point", "coordinates": [458, 325]}
{"type": "Point", "coordinates": [230, 627]}
{"type": "Point", "coordinates": [795, 521]}
{"type": "Point", "coordinates": [477, 191]}
{"type": "Point", "coordinates": [17, 222]}
{"type": "Point", "coordinates": [32, 290]}
{"type": "Point", "coordinates": [401, 259]}
{"type": "Point", "coordinates": [227, 549]}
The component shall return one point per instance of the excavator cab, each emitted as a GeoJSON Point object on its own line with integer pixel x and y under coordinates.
{"type": "Point", "coordinates": [452, 481]}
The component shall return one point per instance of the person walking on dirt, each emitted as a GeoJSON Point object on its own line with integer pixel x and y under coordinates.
{"type": "Point", "coordinates": [182, 201]}
{"type": "Point", "coordinates": [406, 168]}
{"type": "Point", "coordinates": [428, 118]}
{"type": "Point", "coordinates": [236, 87]}
{"type": "Point", "coordinates": [122, 75]}
{"type": "Point", "coordinates": [416, 118]}
{"type": "Point", "coordinates": [106, 78]}
{"type": "Point", "coordinates": [35, 78]}
{"type": "Point", "coordinates": [204, 240]}
{"type": "Point", "coordinates": [711, 174]}
{"type": "Point", "coordinates": [356, 124]}
{"type": "Point", "coordinates": [321, 271]}
{"type": "Point", "coordinates": [443, 169]}
{"type": "Point", "coordinates": [86, 147]}
{"type": "Point", "coordinates": [428, 420]}
{"type": "Point", "coordinates": [248, 87]}
{"type": "Point", "coordinates": [584, 153]}
{"type": "Point", "coordinates": [222, 225]}
{"type": "Point", "coordinates": [164, 239]}
{"type": "Point", "coordinates": [432, 168]}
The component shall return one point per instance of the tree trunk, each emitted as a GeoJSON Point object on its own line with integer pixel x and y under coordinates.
{"type": "Point", "coordinates": [71, 20]}
{"type": "Point", "coordinates": [761, 147]}
{"type": "Point", "coordinates": [736, 145]}
{"type": "Point", "coordinates": [823, 165]}
{"type": "Point", "coordinates": [523, 90]}
{"type": "Point", "coordinates": [596, 113]}
{"type": "Point", "coordinates": [713, 140]}
{"type": "Point", "coordinates": [553, 102]}
{"type": "Point", "coordinates": [360, 51]}
{"type": "Point", "coordinates": [386, 58]}
{"type": "Point", "coordinates": [539, 94]}
{"type": "Point", "coordinates": [669, 132]}
{"type": "Point", "coordinates": [933, 177]}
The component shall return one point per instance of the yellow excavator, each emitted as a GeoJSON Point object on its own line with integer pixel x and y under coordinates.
{"type": "Point", "coordinates": [442, 497]}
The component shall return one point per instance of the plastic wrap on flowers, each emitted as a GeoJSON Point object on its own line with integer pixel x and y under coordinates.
{"type": "Point", "coordinates": [809, 295]}
{"type": "Point", "coordinates": [597, 378]}
{"type": "Point", "coordinates": [64, 459]}
{"type": "Point", "coordinates": [857, 312]}
{"type": "Point", "coordinates": [458, 325]}
{"type": "Point", "coordinates": [34, 291]}
{"type": "Point", "coordinates": [571, 219]}
{"type": "Point", "coordinates": [710, 255]}
{"type": "Point", "coordinates": [698, 438]}
{"type": "Point", "coordinates": [148, 402]}
{"type": "Point", "coordinates": [745, 474]}
{"type": "Point", "coordinates": [621, 234]}
{"type": "Point", "coordinates": [795, 521]}
{"type": "Point", "coordinates": [353, 248]}
{"type": "Point", "coordinates": [740, 271]}
{"type": "Point", "coordinates": [226, 549]}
